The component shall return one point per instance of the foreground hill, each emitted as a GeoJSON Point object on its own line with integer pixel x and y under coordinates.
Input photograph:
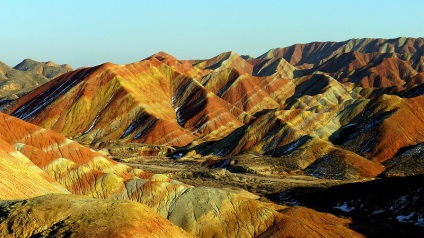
{"type": "Point", "coordinates": [330, 109]}
{"type": "Point", "coordinates": [79, 216]}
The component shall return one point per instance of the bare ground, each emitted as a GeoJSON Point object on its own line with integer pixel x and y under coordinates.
{"type": "Point", "coordinates": [196, 174]}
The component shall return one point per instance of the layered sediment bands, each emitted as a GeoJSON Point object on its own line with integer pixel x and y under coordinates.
{"type": "Point", "coordinates": [351, 96]}
{"type": "Point", "coordinates": [21, 178]}
{"type": "Point", "coordinates": [317, 52]}
{"type": "Point", "coordinates": [83, 171]}
{"type": "Point", "coordinates": [249, 93]}
{"type": "Point", "coordinates": [226, 60]}
{"type": "Point", "coordinates": [122, 93]}
{"type": "Point", "coordinates": [371, 70]}
{"type": "Point", "coordinates": [79, 216]}
{"type": "Point", "coordinates": [381, 130]}
{"type": "Point", "coordinates": [203, 112]}
{"type": "Point", "coordinates": [192, 211]}
{"type": "Point", "coordinates": [277, 67]}
{"type": "Point", "coordinates": [321, 93]}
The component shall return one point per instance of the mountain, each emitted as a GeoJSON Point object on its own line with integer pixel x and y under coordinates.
{"type": "Point", "coordinates": [24, 77]}
{"type": "Point", "coordinates": [47, 69]}
{"type": "Point", "coordinates": [328, 109]}
{"type": "Point", "coordinates": [315, 53]}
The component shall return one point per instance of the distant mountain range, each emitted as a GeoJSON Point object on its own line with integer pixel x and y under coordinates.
{"type": "Point", "coordinates": [24, 77]}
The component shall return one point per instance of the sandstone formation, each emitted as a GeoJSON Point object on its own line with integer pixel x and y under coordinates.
{"type": "Point", "coordinates": [304, 222]}
{"type": "Point", "coordinates": [21, 178]}
{"type": "Point", "coordinates": [331, 103]}
{"type": "Point", "coordinates": [79, 216]}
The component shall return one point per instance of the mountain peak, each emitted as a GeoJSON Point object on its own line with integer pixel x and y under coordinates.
{"type": "Point", "coordinates": [48, 69]}
{"type": "Point", "coordinates": [162, 55]}
{"type": "Point", "coordinates": [228, 59]}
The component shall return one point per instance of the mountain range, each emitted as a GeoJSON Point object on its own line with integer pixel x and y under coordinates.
{"type": "Point", "coordinates": [351, 110]}
{"type": "Point", "coordinates": [333, 109]}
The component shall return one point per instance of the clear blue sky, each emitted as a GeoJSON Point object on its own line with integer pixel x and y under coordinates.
{"type": "Point", "coordinates": [90, 32]}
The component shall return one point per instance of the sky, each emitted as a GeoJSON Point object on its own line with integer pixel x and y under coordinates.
{"type": "Point", "coordinates": [91, 32]}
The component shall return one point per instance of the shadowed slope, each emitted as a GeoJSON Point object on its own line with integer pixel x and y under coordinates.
{"type": "Point", "coordinates": [108, 102]}
{"type": "Point", "coordinates": [90, 98]}
{"type": "Point", "coordinates": [303, 222]}
{"type": "Point", "coordinates": [225, 61]}
{"type": "Point", "coordinates": [381, 203]}
{"type": "Point", "coordinates": [371, 70]}
{"type": "Point", "coordinates": [246, 92]}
